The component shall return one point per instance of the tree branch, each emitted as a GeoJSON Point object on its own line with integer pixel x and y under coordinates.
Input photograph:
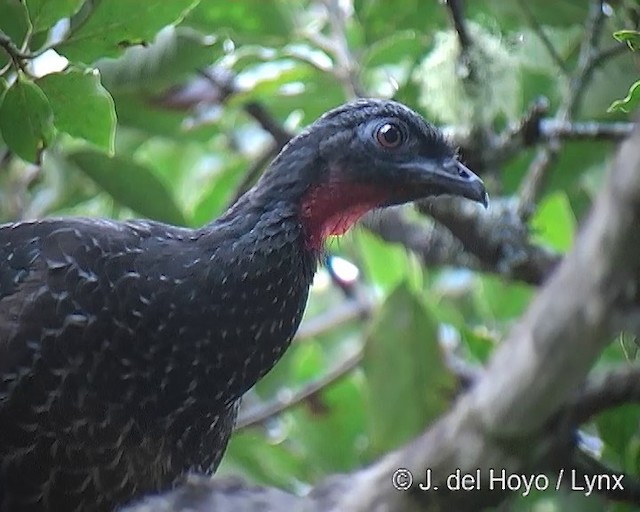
{"type": "Point", "coordinates": [497, 237]}
{"type": "Point", "coordinates": [611, 389]}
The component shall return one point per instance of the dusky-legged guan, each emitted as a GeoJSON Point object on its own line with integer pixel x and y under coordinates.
{"type": "Point", "coordinates": [126, 346]}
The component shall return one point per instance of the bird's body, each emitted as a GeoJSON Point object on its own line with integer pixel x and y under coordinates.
{"type": "Point", "coordinates": [125, 346]}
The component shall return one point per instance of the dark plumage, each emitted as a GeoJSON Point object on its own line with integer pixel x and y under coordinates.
{"type": "Point", "coordinates": [125, 346]}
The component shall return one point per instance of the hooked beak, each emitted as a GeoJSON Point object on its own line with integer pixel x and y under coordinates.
{"type": "Point", "coordinates": [447, 177]}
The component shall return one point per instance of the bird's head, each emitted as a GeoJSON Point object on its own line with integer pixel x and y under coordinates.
{"type": "Point", "coordinates": [363, 155]}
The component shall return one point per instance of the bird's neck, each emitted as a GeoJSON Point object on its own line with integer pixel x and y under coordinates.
{"type": "Point", "coordinates": [305, 192]}
{"type": "Point", "coordinates": [331, 208]}
{"type": "Point", "coordinates": [258, 225]}
{"type": "Point", "coordinates": [258, 273]}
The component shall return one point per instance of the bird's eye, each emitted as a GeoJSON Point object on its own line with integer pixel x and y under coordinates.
{"type": "Point", "coordinates": [389, 136]}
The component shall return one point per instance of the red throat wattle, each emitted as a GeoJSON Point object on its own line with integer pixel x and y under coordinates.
{"type": "Point", "coordinates": [332, 208]}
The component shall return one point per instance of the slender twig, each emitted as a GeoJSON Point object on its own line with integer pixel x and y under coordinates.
{"type": "Point", "coordinates": [223, 80]}
{"type": "Point", "coordinates": [347, 311]}
{"type": "Point", "coordinates": [268, 123]}
{"type": "Point", "coordinates": [539, 31]}
{"type": "Point", "coordinates": [535, 178]}
{"type": "Point", "coordinates": [533, 129]}
{"type": "Point", "coordinates": [459, 24]}
{"type": "Point", "coordinates": [466, 373]}
{"type": "Point", "coordinates": [16, 55]}
{"type": "Point", "coordinates": [346, 67]}
{"type": "Point", "coordinates": [585, 68]}
{"type": "Point", "coordinates": [589, 130]}
{"type": "Point", "coordinates": [262, 413]}
{"type": "Point", "coordinates": [520, 134]}
{"type": "Point", "coordinates": [467, 71]}
{"type": "Point", "coordinates": [608, 53]}
{"type": "Point", "coordinates": [612, 389]}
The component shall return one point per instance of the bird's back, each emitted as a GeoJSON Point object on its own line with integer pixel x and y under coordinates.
{"type": "Point", "coordinates": [124, 348]}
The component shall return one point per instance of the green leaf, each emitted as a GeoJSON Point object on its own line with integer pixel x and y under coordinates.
{"type": "Point", "coordinates": [479, 343]}
{"type": "Point", "coordinates": [220, 193]}
{"type": "Point", "coordinates": [263, 461]}
{"type": "Point", "coordinates": [385, 264]}
{"type": "Point", "coordinates": [510, 14]}
{"type": "Point", "coordinates": [617, 428]}
{"type": "Point", "coordinates": [554, 223]}
{"type": "Point", "coordinates": [44, 13]}
{"type": "Point", "coordinates": [328, 425]}
{"type": "Point", "coordinates": [175, 53]}
{"type": "Point", "coordinates": [406, 377]}
{"type": "Point", "coordinates": [26, 120]}
{"type": "Point", "coordinates": [131, 184]}
{"type": "Point", "coordinates": [394, 49]}
{"type": "Point", "coordinates": [114, 25]}
{"type": "Point", "coordinates": [500, 300]}
{"type": "Point", "coordinates": [629, 102]}
{"type": "Point", "coordinates": [533, 54]}
{"type": "Point", "coordinates": [82, 107]}
{"type": "Point", "coordinates": [631, 37]}
{"type": "Point", "coordinates": [381, 18]}
{"type": "Point", "coordinates": [138, 111]}
{"type": "Point", "coordinates": [249, 20]}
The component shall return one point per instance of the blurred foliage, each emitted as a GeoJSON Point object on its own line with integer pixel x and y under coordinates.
{"type": "Point", "coordinates": [108, 108]}
{"type": "Point", "coordinates": [630, 101]}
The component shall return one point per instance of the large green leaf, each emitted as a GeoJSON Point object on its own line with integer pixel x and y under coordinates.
{"type": "Point", "coordinates": [26, 119]}
{"type": "Point", "coordinates": [44, 13]}
{"type": "Point", "coordinates": [131, 184]}
{"type": "Point", "coordinates": [407, 383]}
{"type": "Point", "coordinates": [114, 25]}
{"type": "Point", "coordinates": [81, 106]}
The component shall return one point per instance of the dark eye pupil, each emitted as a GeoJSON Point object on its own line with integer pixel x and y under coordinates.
{"type": "Point", "coordinates": [389, 136]}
